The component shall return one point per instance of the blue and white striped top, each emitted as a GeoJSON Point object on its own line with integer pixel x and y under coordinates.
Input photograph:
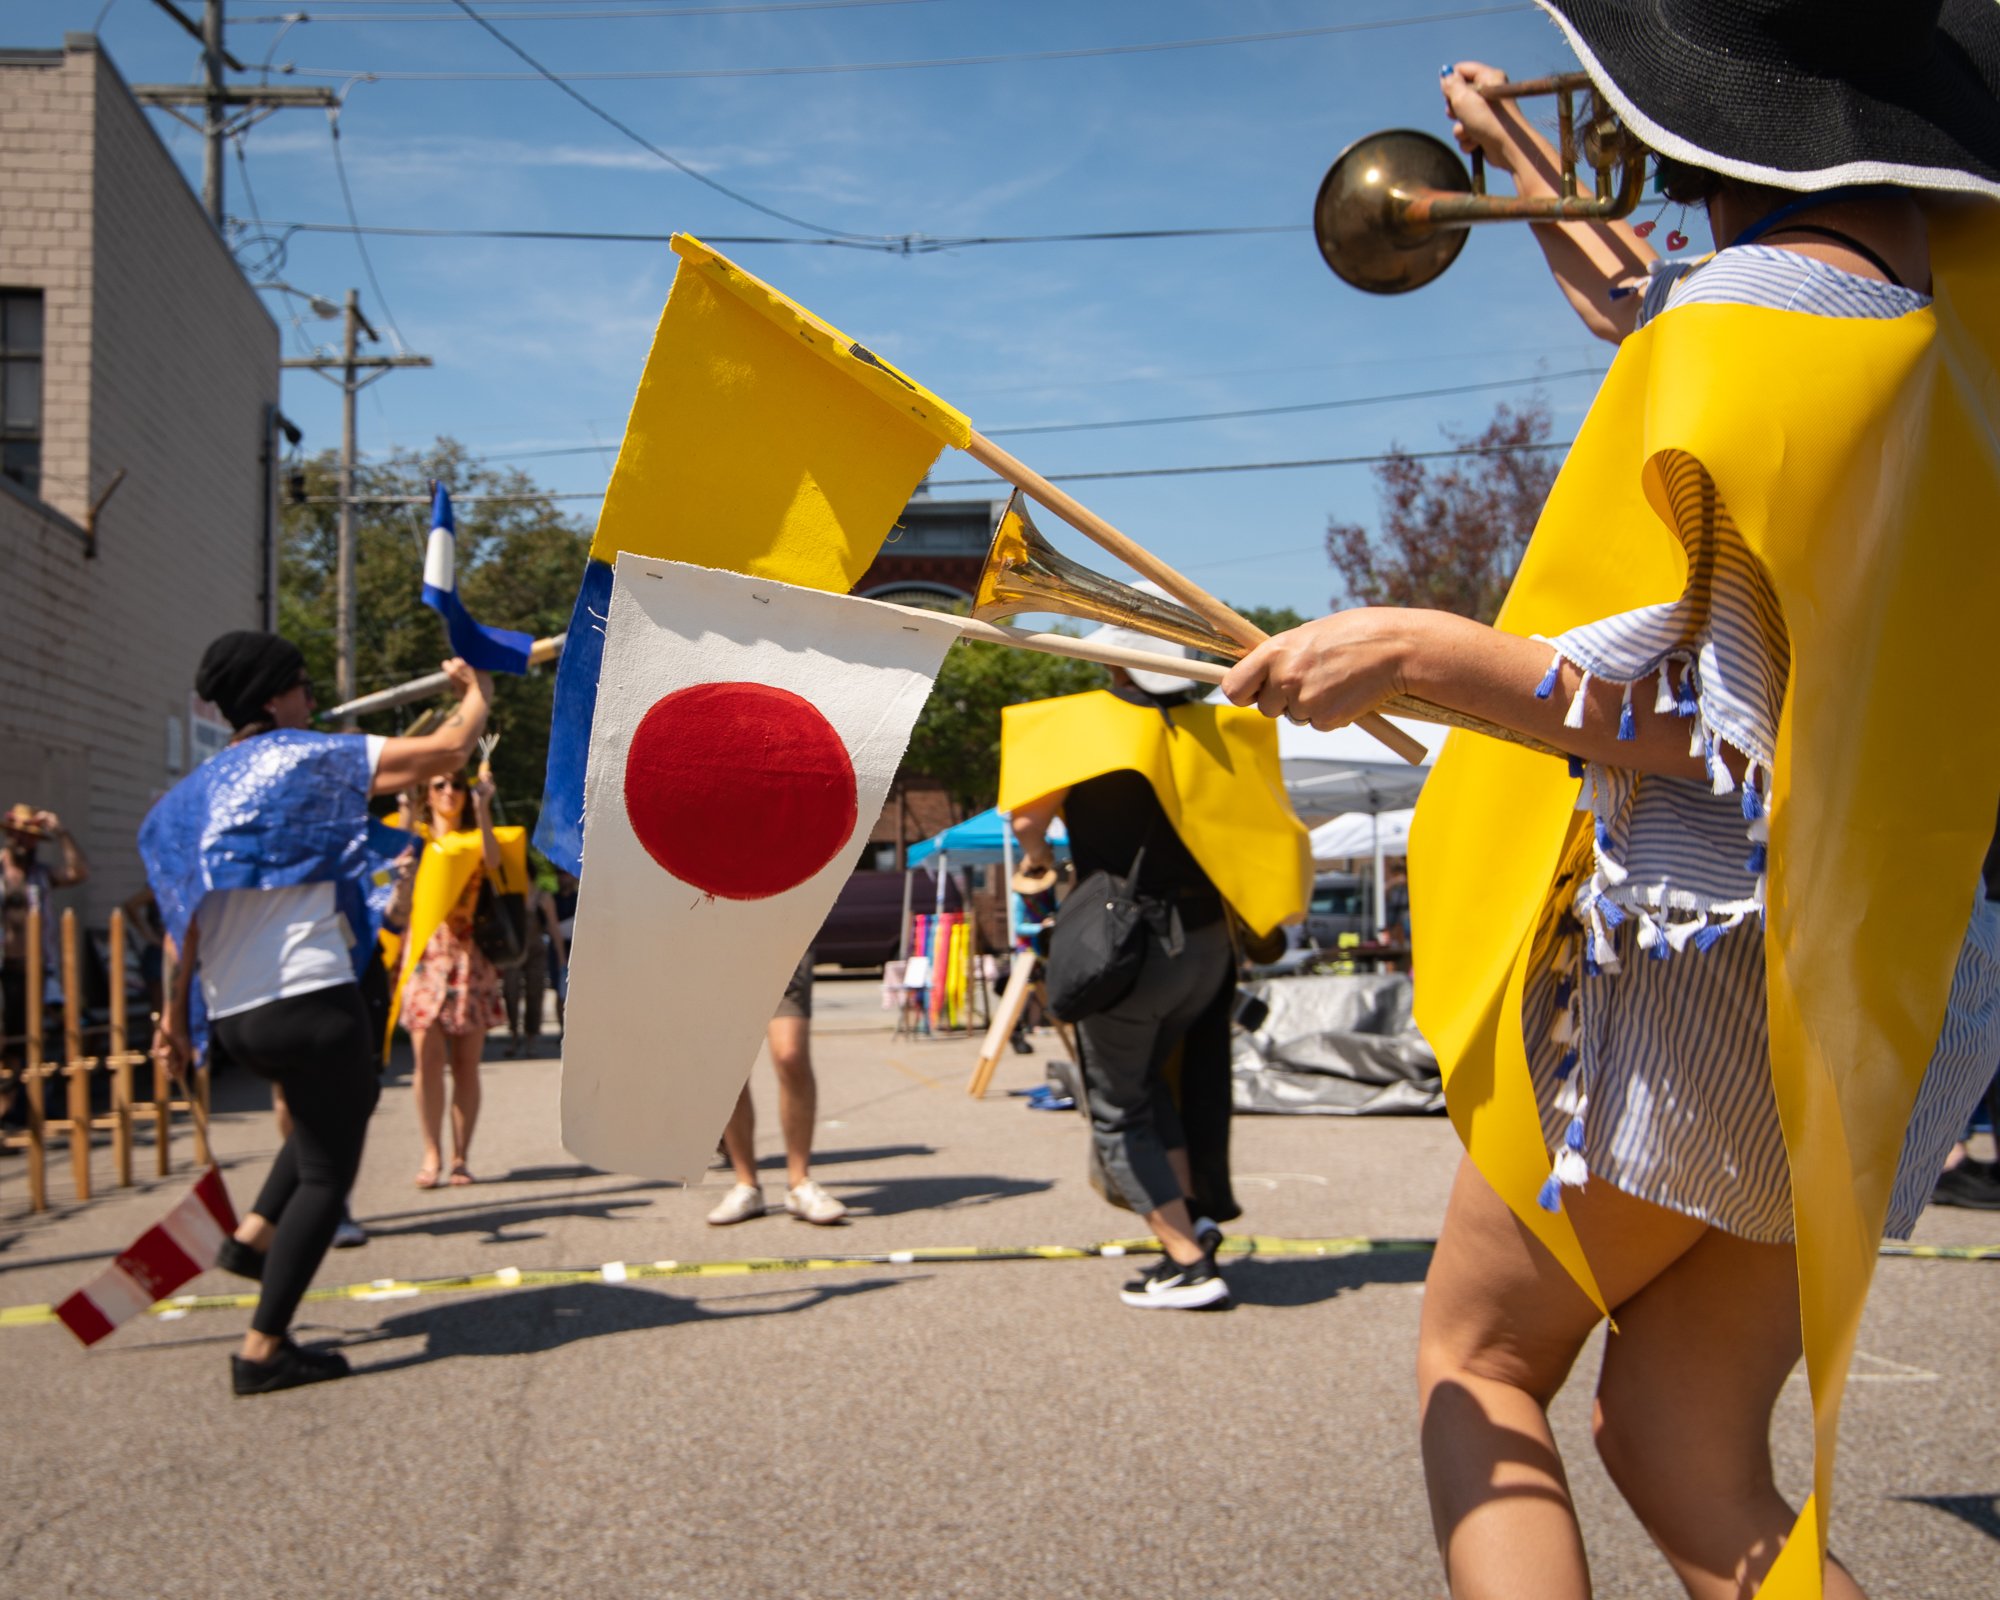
{"type": "Point", "coordinates": [1645, 1015]}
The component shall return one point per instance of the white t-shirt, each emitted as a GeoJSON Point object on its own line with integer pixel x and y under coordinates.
{"type": "Point", "coordinates": [260, 945]}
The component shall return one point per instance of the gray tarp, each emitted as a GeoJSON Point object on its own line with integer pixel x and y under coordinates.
{"type": "Point", "coordinates": [1335, 1046]}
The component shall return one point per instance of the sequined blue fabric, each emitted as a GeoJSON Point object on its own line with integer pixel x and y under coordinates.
{"type": "Point", "coordinates": [282, 809]}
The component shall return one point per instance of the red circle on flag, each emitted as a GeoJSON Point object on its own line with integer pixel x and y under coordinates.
{"type": "Point", "coordinates": [741, 789]}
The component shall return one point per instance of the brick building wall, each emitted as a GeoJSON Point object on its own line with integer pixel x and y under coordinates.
{"type": "Point", "coordinates": [159, 361]}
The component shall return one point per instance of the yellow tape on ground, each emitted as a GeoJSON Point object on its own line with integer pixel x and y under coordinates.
{"type": "Point", "coordinates": [1242, 1245]}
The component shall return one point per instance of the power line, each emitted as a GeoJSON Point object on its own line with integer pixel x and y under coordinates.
{"type": "Point", "coordinates": [1293, 410]}
{"type": "Point", "coordinates": [1053, 477]}
{"type": "Point", "coordinates": [639, 13]}
{"type": "Point", "coordinates": [1010, 58]}
{"type": "Point", "coordinates": [912, 244]}
{"type": "Point", "coordinates": [1149, 422]}
{"type": "Point", "coordinates": [360, 242]}
{"type": "Point", "coordinates": [1267, 466]}
{"type": "Point", "coordinates": [644, 143]}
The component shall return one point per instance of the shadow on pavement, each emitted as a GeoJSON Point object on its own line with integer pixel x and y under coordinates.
{"type": "Point", "coordinates": [497, 1225]}
{"type": "Point", "coordinates": [1309, 1282]}
{"type": "Point", "coordinates": [537, 1320]}
{"type": "Point", "coordinates": [837, 1158]}
{"type": "Point", "coordinates": [891, 1197]}
{"type": "Point", "coordinates": [1982, 1511]}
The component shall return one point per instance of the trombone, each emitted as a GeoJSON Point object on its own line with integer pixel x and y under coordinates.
{"type": "Point", "coordinates": [1393, 210]}
{"type": "Point", "coordinates": [1025, 573]}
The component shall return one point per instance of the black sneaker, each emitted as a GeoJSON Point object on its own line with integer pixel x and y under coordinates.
{"type": "Point", "coordinates": [290, 1368]}
{"type": "Point", "coordinates": [1971, 1184]}
{"type": "Point", "coordinates": [1169, 1286]}
{"type": "Point", "coordinates": [1208, 1234]}
{"type": "Point", "coordinates": [237, 1257]}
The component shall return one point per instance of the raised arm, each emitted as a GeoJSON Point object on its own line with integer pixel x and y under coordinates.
{"type": "Point", "coordinates": [407, 763]}
{"type": "Point", "coordinates": [482, 808]}
{"type": "Point", "coordinates": [1030, 823]}
{"type": "Point", "coordinates": [1588, 259]}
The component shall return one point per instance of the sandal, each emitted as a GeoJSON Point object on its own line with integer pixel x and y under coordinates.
{"type": "Point", "coordinates": [461, 1175]}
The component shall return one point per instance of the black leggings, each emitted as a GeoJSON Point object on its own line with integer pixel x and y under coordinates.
{"type": "Point", "coordinates": [317, 1048]}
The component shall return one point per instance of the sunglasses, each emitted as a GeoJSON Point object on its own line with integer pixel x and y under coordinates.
{"type": "Point", "coordinates": [448, 783]}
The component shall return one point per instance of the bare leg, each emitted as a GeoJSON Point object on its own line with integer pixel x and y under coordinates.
{"type": "Point", "coordinates": [466, 1049]}
{"type": "Point", "coordinates": [739, 1139]}
{"type": "Point", "coordinates": [798, 1093]}
{"type": "Point", "coordinates": [427, 1085]}
{"type": "Point", "coordinates": [1502, 1324]}
{"type": "Point", "coordinates": [1684, 1413]}
{"type": "Point", "coordinates": [1172, 1224]}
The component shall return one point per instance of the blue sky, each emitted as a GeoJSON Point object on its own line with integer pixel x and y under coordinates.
{"type": "Point", "coordinates": [539, 345]}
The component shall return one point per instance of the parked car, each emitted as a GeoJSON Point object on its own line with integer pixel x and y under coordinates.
{"type": "Point", "coordinates": [1338, 905]}
{"type": "Point", "coordinates": [865, 926]}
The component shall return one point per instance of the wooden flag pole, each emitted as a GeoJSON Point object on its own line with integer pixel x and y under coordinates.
{"type": "Point", "coordinates": [1143, 561]}
{"type": "Point", "coordinates": [76, 1069]}
{"type": "Point", "coordinates": [431, 683]}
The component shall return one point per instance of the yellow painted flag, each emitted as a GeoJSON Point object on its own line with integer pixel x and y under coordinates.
{"type": "Point", "coordinates": [762, 440]}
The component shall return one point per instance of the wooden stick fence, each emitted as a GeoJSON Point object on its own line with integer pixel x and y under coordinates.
{"type": "Point", "coordinates": [119, 1062]}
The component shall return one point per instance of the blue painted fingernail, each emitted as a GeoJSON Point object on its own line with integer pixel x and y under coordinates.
{"type": "Point", "coordinates": [1445, 70]}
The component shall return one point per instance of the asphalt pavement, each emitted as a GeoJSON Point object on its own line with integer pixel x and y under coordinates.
{"type": "Point", "coordinates": [922, 1429]}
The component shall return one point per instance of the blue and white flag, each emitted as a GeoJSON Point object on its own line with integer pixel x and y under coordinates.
{"type": "Point", "coordinates": [489, 649]}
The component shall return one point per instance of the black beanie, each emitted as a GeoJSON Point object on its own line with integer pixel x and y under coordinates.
{"type": "Point", "coordinates": [242, 671]}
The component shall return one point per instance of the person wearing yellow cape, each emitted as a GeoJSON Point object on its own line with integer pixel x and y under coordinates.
{"type": "Point", "coordinates": [447, 991]}
{"type": "Point", "coordinates": [1713, 1001]}
{"type": "Point", "coordinates": [1183, 801]}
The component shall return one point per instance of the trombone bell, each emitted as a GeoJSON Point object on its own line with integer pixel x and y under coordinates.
{"type": "Point", "coordinates": [1024, 572]}
{"type": "Point", "coordinates": [1393, 209]}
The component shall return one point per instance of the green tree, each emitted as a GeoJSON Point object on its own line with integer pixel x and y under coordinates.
{"type": "Point", "coordinates": [519, 563]}
{"type": "Point", "coordinates": [957, 736]}
{"type": "Point", "coordinates": [1272, 619]}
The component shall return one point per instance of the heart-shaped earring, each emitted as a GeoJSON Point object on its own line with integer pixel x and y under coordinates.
{"type": "Point", "coordinates": [1645, 229]}
{"type": "Point", "coordinates": [1677, 240]}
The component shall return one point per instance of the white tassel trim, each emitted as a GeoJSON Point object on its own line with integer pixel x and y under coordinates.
{"type": "Point", "coordinates": [1573, 718]}
{"type": "Point", "coordinates": [1571, 1170]}
{"type": "Point", "coordinates": [1663, 702]}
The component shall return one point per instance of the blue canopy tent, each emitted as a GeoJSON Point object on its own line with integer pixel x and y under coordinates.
{"type": "Point", "coordinates": [980, 841]}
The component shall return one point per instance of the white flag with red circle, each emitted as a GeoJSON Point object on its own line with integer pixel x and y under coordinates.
{"type": "Point", "coordinates": [746, 735]}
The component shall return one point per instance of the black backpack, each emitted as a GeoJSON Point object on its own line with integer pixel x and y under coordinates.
{"type": "Point", "coordinates": [1098, 944]}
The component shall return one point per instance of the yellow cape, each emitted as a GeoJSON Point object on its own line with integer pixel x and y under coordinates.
{"type": "Point", "coordinates": [1215, 769]}
{"type": "Point", "coordinates": [444, 869]}
{"type": "Point", "coordinates": [1861, 461]}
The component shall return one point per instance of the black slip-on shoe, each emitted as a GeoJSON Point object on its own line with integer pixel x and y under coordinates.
{"type": "Point", "coordinates": [237, 1257]}
{"type": "Point", "coordinates": [290, 1368]}
{"type": "Point", "coordinates": [1170, 1286]}
{"type": "Point", "coordinates": [1971, 1184]}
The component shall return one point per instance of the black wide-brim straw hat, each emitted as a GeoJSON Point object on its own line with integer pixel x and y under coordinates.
{"type": "Point", "coordinates": [1804, 94]}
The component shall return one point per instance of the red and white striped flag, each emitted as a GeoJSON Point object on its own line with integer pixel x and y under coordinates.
{"type": "Point", "coordinates": [179, 1247]}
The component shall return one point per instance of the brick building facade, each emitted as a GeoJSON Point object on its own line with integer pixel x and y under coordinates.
{"type": "Point", "coordinates": [138, 390]}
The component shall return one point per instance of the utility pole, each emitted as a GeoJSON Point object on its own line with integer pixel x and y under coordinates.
{"type": "Point", "coordinates": [350, 364]}
{"type": "Point", "coordinates": [216, 98]}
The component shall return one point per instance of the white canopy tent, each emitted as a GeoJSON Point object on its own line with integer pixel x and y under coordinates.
{"type": "Point", "coordinates": [1346, 772]}
{"type": "Point", "coordinates": [1363, 833]}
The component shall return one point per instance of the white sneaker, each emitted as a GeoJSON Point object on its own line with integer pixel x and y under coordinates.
{"type": "Point", "coordinates": [810, 1203]}
{"type": "Point", "coordinates": [744, 1201]}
